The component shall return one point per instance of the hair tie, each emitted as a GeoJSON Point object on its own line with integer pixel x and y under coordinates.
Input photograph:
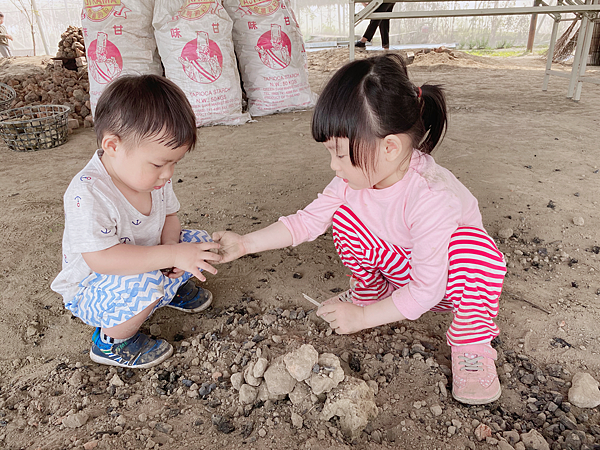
{"type": "Point", "coordinates": [419, 92]}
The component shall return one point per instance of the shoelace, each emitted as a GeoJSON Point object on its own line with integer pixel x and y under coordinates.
{"type": "Point", "coordinates": [471, 364]}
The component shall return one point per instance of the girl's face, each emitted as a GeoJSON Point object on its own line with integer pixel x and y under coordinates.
{"type": "Point", "coordinates": [386, 172]}
{"type": "Point", "coordinates": [142, 167]}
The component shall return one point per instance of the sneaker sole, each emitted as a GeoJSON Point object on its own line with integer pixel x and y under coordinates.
{"type": "Point", "coordinates": [110, 362]}
{"type": "Point", "coordinates": [476, 401]}
{"type": "Point", "coordinates": [195, 310]}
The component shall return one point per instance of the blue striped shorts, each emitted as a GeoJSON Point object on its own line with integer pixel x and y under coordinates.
{"type": "Point", "coordinates": [109, 300]}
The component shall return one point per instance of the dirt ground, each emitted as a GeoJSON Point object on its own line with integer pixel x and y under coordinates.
{"type": "Point", "coordinates": [530, 157]}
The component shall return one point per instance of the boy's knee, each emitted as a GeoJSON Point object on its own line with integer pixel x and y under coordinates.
{"type": "Point", "coordinates": [195, 236]}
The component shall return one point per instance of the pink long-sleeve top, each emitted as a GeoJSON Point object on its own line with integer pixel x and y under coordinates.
{"type": "Point", "coordinates": [419, 213]}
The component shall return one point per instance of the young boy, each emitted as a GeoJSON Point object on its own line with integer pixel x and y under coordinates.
{"type": "Point", "coordinates": [4, 37]}
{"type": "Point", "coordinates": [121, 226]}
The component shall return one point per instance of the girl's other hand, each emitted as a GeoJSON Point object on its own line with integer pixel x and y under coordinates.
{"type": "Point", "coordinates": [232, 245]}
{"type": "Point", "coordinates": [343, 317]}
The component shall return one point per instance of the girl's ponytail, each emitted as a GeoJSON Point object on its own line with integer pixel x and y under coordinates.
{"type": "Point", "coordinates": [434, 114]}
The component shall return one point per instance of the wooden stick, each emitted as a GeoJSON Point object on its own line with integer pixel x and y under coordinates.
{"type": "Point", "coordinates": [314, 302]}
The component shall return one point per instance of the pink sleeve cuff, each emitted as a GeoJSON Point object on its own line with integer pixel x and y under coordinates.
{"type": "Point", "coordinates": [406, 304]}
{"type": "Point", "coordinates": [293, 226]}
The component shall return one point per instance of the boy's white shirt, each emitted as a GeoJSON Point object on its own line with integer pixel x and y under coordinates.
{"type": "Point", "coordinates": [98, 216]}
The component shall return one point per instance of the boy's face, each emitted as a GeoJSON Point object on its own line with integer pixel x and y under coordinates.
{"type": "Point", "coordinates": [143, 167]}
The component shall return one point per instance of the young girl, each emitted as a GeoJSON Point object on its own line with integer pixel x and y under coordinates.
{"type": "Point", "coordinates": [409, 231]}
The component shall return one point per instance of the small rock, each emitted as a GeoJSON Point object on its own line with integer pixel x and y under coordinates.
{"type": "Point", "coordinates": [436, 410]}
{"type": "Point", "coordinates": [321, 384]}
{"type": "Point", "coordinates": [512, 436]}
{"type": "Point", "coordinates": [300, 394]}
{"type": "Point", "coordinates": [297, 420]}
{"type": "Point", "coordinates": [259, 367]}
{"type": "Point", "coordinates": [223, 424]}
{"type": "Point", "coordinates": [578, 221]}
{"type": "Point", "coordinates": [300, 362]}
{"type": "Point", "coordinates": [503, 445]}
{"type": "Point", "coordinates": [269, 319]}
{"type": "Point", "coordinates": [90, 445]}
{"type": "Point", "coordinates": [584, 391]}
{"type": "Point", "coordinates": [354, 403]}
{"type": "Point", "coordinates": [163, 427]}
{"type": "Point", "coordinates": [534, 441]}
{"type": "Point", "coordinates": [237, 379]}
{"type": "Point", "coordinates": [155, 330]}
{"type": "Point", "coordinates": [76, 379]}
{"type": "Point", "coordinates": [262, 432]}
{"type": "Point", "coordinates": [278, 379]}
{"type": "Point", "coordinates": [505, 233]}
{"type": "Point", "coordinates": [75, 420]}
{"type": "Point", "coordinates": [249, 375]}
{"type": "Point", "coordinates": [248, 394]}
{"type": "Point", "coordinates": [482, 432]}
{"type": "Point", "coordinates": [116, 381]}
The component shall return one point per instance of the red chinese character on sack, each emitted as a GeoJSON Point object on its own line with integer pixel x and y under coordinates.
{"type": "Point", "coordinates": [215, 27]}
{"type": "Point", "coordinates": [175, 33]}
{"type": "Point", "coordinates": [252, 26]}
{"type": "Point", "coordinates": [85, 32]}
{"type": "Point", "coordinates": [287, 20]}
{"type": "Point", "coordinates": [118, 30]}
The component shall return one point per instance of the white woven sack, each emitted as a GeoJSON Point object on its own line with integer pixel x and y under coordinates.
{"type": "Point", "coordinates": [195, 44]}
{"type": "Point", "coordinates": [119, 39]}
{"type": "Point", "coordinates": [270, 49]}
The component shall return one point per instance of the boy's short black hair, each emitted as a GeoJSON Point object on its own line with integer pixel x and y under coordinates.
{"type": "Point", "coordinates": [137, 107]}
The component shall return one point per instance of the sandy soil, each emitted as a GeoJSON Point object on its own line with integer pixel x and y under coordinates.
{"type": "Point", "coordinates": [530, 157]}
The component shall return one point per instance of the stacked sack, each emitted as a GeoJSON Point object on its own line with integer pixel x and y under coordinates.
{"type": "Point", "coordinates": [194, 40]}
{"type": "Point", "coordinates": [270, 49]}
{"type": "Point", "coordinates": [119, 40]}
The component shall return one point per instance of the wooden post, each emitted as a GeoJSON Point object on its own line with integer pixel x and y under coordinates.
{"type": "Point", "coordinates": [532, 27]}
{"type": "Point", "coordinates": [595, 46]}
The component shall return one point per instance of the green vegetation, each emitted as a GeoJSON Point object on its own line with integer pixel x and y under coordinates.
{"type": "Point", "coordinates": [504, 52]}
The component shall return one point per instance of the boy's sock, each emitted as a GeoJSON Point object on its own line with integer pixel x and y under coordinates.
{"type": "Point", "coordinates": [109, 340]}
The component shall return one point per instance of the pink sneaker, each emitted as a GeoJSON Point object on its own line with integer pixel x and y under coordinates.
{"type": "Point", "coordinates": [474, 377]}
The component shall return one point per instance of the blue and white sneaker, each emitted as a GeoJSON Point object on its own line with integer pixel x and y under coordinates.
{"type": "Point", "coordinates": [191, 298]}
{"type": "Point", "coordinates": [137, 352]}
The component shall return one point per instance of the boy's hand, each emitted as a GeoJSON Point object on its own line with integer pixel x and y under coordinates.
{"type": "Point", "coordinates": [172, 272]}
{"type": "Point", "coordinates": [343, 317]}
{"type": "Point", "coordinates": [191, 257]}
{"type": "Point", "coordinates": [232, 245]}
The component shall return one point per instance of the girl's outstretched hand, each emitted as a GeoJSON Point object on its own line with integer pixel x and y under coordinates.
{"type": "Point", "coordinates": [232, 245]}
{"type": "Point", "coordinates": [343, 317]}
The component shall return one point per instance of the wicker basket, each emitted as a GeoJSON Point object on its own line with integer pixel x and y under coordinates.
{"type": "Point", "coordinates": [7, 95]}
{"type": "Point", "coordinates": [34, 127]}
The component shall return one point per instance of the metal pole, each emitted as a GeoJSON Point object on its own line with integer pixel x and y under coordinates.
{"type": "Point", "coordinates": [550, 53]}
{"type": "Point", "coordinates": [36, 13]}
{"type": "Point", "coordinates": [584, 57]}
{"type": "Point", "coordinates": [351, 8]}
{"type": "Point", "coordinates": [578, 53]}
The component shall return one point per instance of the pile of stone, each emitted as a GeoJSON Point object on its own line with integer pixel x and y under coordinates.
{"type": "Point", "coordinates": [54, 85]}
{"type": "Point", "coordinates": [308, 378]}
{"type": "Point", "coordinates": [71, 44]}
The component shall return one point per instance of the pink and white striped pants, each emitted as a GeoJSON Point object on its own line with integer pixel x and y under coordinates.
{"type": "Point", "coordinates": [475, 274]}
